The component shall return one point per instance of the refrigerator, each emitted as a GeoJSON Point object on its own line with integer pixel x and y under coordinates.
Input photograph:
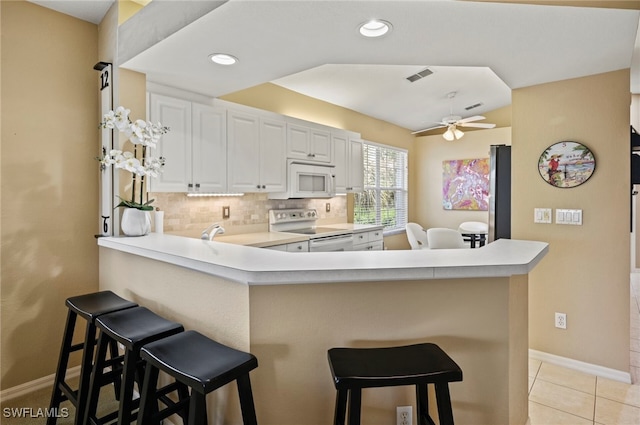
{"type": "Point", "coordinates": [499, 192]}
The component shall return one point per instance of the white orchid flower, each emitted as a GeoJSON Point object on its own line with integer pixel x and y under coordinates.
{"type": "Point", "coordinates": [140, 132]}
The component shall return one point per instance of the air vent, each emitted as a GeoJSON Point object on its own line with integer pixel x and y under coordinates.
{"type": "Point", "coordinates": [415, 77]}
{"type": "Point", "coordinates": [468, 108]}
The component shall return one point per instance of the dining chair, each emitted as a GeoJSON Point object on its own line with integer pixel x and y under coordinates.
{"type": "Point", "coordinates": [417, 236]}
{"type": "Point", "coordinates": [443, 238]}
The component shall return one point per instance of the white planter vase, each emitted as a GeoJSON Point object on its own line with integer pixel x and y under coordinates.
{"type": "Point", "coordinates": [135, 222]}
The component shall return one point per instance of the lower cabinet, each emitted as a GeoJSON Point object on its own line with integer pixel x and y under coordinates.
{"type": "Point", "coordinates": [368, 241]}
{"type": "Point", "coordinates": [291, 247]}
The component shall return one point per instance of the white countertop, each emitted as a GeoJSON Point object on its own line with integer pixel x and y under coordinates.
{"type": "Point", "coordinates": [256, 266]}
{"type": "Point", "coordinates": [266, 239]}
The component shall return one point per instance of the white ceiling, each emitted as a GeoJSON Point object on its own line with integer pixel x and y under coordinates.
{"type": "Point", "coordinates": [87, 10]}
{"type": "Point", "coordinates": [479, 50]}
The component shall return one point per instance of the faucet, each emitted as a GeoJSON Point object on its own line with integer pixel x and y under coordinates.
{"type": "Point", "coordinates": [211, 231]}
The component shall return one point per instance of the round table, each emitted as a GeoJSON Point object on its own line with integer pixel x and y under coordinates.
{"type": "Point", "coordinates": [474, 231]}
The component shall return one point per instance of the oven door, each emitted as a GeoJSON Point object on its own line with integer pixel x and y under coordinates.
{"type": "Point", "coordinates": [331, 243]}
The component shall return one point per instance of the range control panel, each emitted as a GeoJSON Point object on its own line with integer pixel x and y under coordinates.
{"type": "Point", "coordinates": [292, 215]}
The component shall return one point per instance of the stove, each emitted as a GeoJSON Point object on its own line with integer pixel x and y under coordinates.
{"type": "Point", "coordinates": [303, 222]}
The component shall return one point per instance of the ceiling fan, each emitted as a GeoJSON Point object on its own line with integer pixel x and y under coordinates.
{"type": "Point", "coordinates": [452, 122]}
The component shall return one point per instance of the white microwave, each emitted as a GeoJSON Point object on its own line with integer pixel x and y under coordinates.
{"type": "Point", "coordinates": [306, 180]}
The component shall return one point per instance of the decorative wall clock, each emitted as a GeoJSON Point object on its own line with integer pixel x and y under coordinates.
{"type": "Point", "coordinates": [566, 164]}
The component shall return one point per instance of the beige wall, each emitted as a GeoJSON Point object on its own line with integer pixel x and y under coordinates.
{"type": "Point", "coordinates": [49, 181]}
{"type": "Point", "coordinates": [430, 151]}
{"type": "Point", "coordinates": [586, 274]}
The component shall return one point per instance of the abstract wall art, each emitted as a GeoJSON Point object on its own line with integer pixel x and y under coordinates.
{"type": "Point", "coordinates": [465, 184]}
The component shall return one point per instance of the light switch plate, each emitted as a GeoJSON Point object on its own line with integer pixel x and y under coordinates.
{"type": "Point", "coordinates": [542, 215]}
{"type": "Point", "coordinates": [566, 216]}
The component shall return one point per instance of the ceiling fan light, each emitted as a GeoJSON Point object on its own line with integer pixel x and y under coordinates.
{"type": "Point", "coordinates": [458, 134]}
{"type": "Point", "coordinates": [448, 135]}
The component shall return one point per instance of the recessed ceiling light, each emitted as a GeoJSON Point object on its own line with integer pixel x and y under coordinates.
{"type": "Point", "coordinates": [375, 28]}
{"type": "Point", "coordinates": [223, 59]}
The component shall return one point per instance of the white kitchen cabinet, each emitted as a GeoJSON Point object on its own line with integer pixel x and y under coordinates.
{"type": "Point", "coordinates": [195, 147]}
{"type": "Point", "coordinates": [209, 149]}
{"type": "Point", "coordinates": [348, 160]}
{"type": "Point", "coordinates": [308, 143]}
{"type": "Point", "coordinates": [174, 146]}
{"type": "Point", "coordinates": [291, 247]}
{"type": "Point", "coordinates": [256, 160]}
{"type": "Point", "coordinates": [371, 240]}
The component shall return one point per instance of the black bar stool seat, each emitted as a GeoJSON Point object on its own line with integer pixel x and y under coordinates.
{"type": "Point", "coordinates": [132, 328]}
{"type": "Point", "coordinates": [418, 364]}
{"type": "Point", "coordinates": [89, 307]}
{"type": "Point", "coordinates": [201, 364]}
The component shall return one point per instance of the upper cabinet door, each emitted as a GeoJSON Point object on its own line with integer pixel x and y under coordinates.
{"type": "Point", "coordinates": [320, 146]}
{"type": "Point", "coordinates": [348, 158]}
{"type": "Point", "coordinates": [243, 132]}
{"type": "Point", "coordinates": [340, 158]}
{"type": "Point", "coordinates": [308, 144]}
{"type": "Point", "coordinates": [355, 165]}
{"type": "Point", "coordinates": [174, 146]}
{"type": "Point", "coordinates": [297, 142]}
{"type": "Point", "coordinates": [209, 148]}
{"type": "Point", "coordinates": [273, 156]}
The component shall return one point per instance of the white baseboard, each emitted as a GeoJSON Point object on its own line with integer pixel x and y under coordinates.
{"type": "Point", "coordinates": [601, 371]}
{"type": "Point", "coordinates": [35, 385]}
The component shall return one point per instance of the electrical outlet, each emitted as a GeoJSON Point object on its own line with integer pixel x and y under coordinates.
{"type": "Point", "coordinates": [404, 415]}
{"type": "Point", "coordinates": [328, 207]}
{"type": "Point", "coordinates": [226, 212]}
{"type": "Point", "coordinates": [561, 321]}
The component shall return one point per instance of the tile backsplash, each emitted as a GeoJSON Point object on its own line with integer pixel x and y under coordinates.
{"type": "Point", "coordinates": [189, 216]}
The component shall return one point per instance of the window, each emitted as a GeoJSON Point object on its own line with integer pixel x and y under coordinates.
{"type": "Point", "coordinates": [384, 200]}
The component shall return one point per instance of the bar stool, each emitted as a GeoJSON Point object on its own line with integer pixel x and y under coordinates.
{"type": "Point", "coordinates": [132, 328]}
{"type": "Point", "coordinates": [89, 307]}
{"type": "Point", "coordinates": [201, 364]}
{"type": "Point", "coordinates": [356, 368]}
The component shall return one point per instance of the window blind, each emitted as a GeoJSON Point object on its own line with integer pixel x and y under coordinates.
{"type": "Point", "coordinates": [384, 200]}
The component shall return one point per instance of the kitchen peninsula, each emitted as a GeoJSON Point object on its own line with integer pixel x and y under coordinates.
{"type": "Point", "coordinates": [288, 309]}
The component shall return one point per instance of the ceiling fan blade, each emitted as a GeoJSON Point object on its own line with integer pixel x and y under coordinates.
{"type": "Point", "coordinates": [477, 125]}
{"type": "Point", "coordinates": [473, 118]}
{"type": "Point", "coordinates": [429, 128]}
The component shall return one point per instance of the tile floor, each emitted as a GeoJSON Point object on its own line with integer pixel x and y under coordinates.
{"type": "Point", "coordinates": [560, 396]}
